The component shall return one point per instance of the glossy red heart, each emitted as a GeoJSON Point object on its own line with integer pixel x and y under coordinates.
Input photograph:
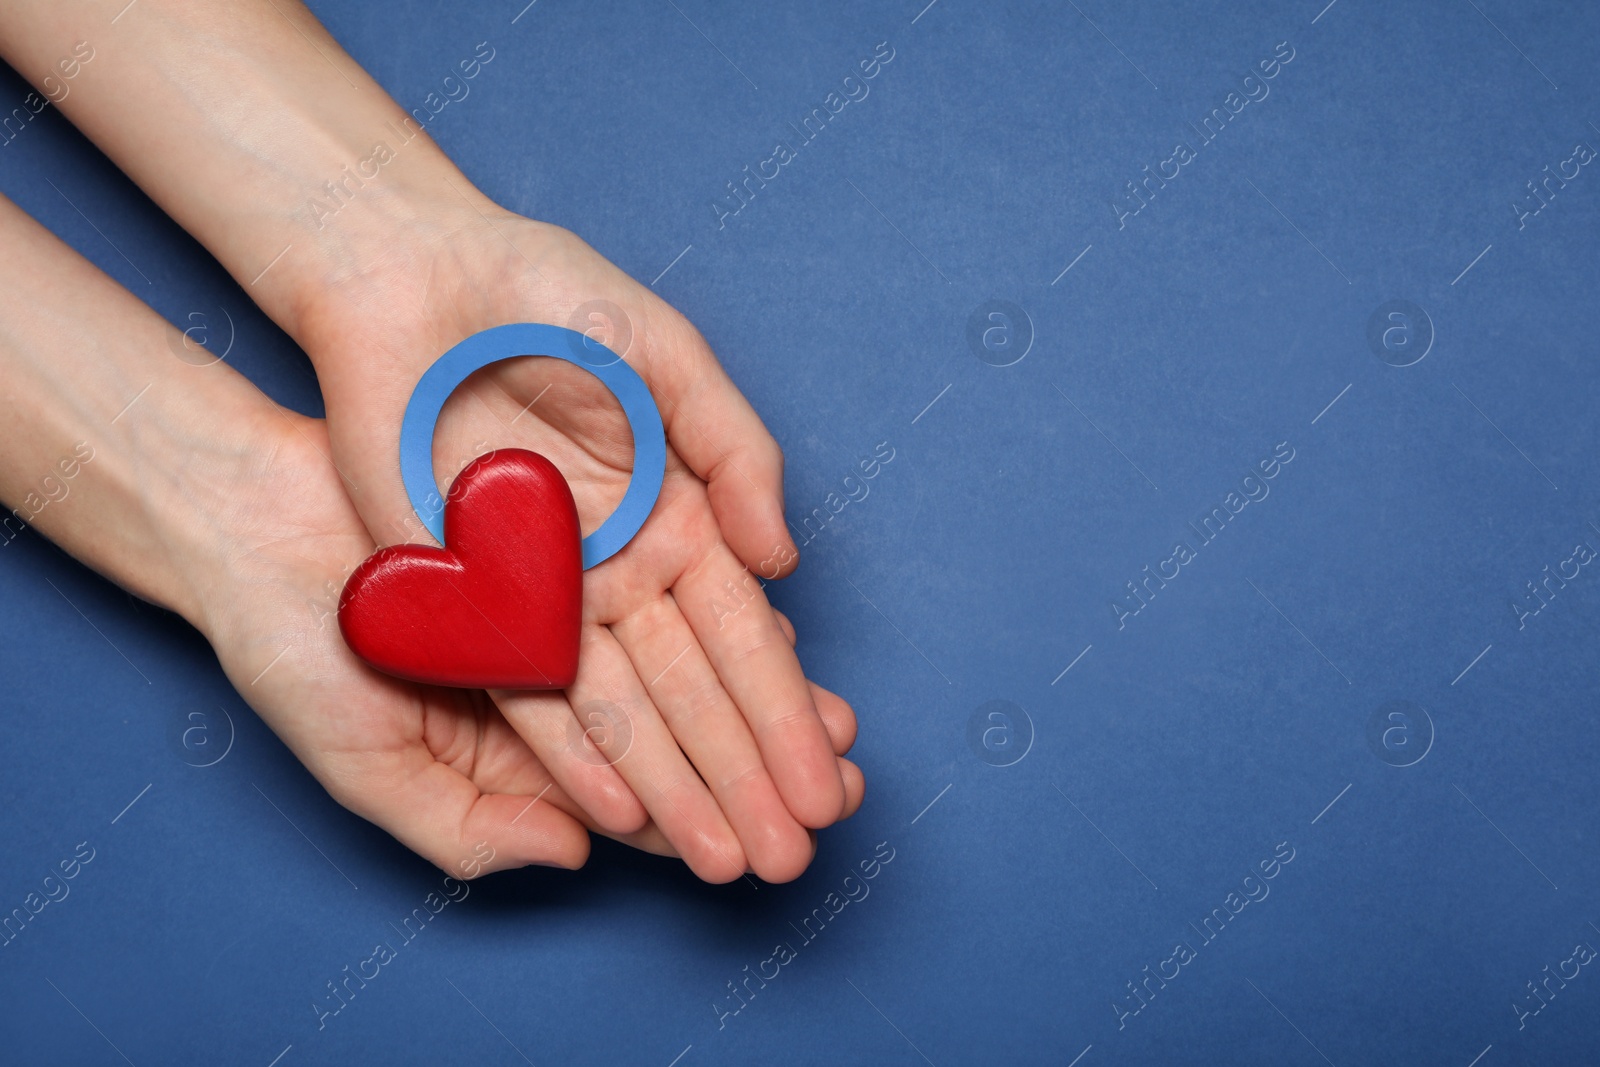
{"type": "Point", "coordinates": [499, 606]}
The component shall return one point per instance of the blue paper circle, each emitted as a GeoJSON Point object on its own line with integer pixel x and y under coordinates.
{"type": "Point", "coordinates": [536, 339]}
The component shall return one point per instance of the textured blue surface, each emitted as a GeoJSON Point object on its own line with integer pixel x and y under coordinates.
{"type": "Point", "coordinates": [1233, 713]}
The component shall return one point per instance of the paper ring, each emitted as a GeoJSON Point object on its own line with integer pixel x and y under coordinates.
{"type": "Point", "coordinates": [558, 342]}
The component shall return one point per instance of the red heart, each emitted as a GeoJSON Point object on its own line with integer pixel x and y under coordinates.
{"type": "Point", "coordinates": [499, 606]}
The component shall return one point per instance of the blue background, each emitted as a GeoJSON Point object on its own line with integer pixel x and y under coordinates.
{"type": "Point", "coordinates": [1185, 343]}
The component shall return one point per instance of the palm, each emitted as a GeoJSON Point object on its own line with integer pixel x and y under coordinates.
{"type": "Point", "coordinates": [686, 681]}
{"type": "Point", "coordinates": [441, 769]}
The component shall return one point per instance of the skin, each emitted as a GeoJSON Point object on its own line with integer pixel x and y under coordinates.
{"type": "Point", "coordinates": [733, 757]}
{"type": "Point", "coordinates": [207, 498]}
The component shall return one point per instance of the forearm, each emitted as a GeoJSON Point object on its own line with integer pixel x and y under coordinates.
{"type": "Point", "coordinates": [253, 129]}
{"type": "Point", "coordinates": [103, 448]}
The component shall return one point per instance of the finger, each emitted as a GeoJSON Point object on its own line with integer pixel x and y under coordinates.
{"type": "Point", "coordinates": [837, 716]}
{"type": "Point", "coordinates": [504, 763]}
{"type": "Point", "coordinates": [515, 769]}
{"type": "Point", "coordinates": [787, 626]}
{"type": "Point", "coordinates": [649, 839]}
{"type": "Point", "coordinates": [715, 430]}
{"type": "Point", "coordinates": [758, 668]}
{"type": "Point", "coordinates": [647, 756]}
{"type": "Point", "coordinates": [711, 731]}
{"type": "Point", "coordinates": [855, 787]}
{"type": "Point", "coordinates": [855, 791]}
{"type": "Point", "coordinates": [547, 723]}
{"type": "Point", "coordinates": [438, 813]}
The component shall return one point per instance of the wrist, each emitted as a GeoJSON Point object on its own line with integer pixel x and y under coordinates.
{"type": "Point", "coordinates": [377, 282]}
{"type": "Point", "coordinates": [130, 474]}
{"type": "Point", "coordinates": [262, 527]}
{"type": "Point", "coordinates": [348, 233]}
{"type": "Point", "coordinates": [187, 459]}
{"type": "Point", "coordinates": [299, 172]}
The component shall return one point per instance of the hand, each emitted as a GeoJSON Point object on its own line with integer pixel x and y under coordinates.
{"type": "Point", "coordinates": [715, 727]}
{"type": "Point", "coordinates": [729, 751]}
{"type": "Point", "coordinates": [208, 499]}
{"type": "Point", "coordinates": [440, 769]}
